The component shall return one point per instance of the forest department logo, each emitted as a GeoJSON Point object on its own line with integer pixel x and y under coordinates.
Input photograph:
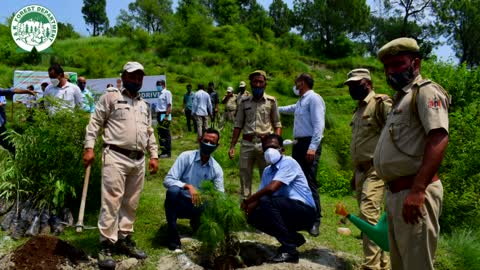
{"type": "Point", "coordinates": [34, 26]}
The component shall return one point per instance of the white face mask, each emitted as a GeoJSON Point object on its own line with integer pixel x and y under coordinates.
{"type": "Point", "coordinates": [272, 155]}
{"type": "Point", "coordinates": [55, 81]}
{"type": "Point", "coordinates": [295, 91]}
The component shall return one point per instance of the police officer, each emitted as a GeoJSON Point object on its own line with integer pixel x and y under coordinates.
{"type": "Point", "coordinates": [127, 123]}
{"type": "Point", "coordinates": [408, 155]}
{"type": "Point", "coordinates": [230, 102]}
{"type": "Point", "coordinates": [367, 123]}
{"type": "Point", "coordinates": [257, 115]}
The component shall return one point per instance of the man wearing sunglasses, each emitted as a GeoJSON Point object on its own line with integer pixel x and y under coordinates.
{"type": "Point", "coordinates": [284, 204]}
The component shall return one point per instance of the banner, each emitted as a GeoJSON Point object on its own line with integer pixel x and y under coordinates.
{"type": "Point", "coordinates": [149, 87]}
{"type": "Point", "coordinates": [23, 78]}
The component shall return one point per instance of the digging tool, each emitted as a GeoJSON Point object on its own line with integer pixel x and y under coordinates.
{"type": "Point", "coordinates": [79, 226]}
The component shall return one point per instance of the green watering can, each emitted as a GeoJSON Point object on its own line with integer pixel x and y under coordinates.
{"type": "Point", "coordinates": [377, 233]}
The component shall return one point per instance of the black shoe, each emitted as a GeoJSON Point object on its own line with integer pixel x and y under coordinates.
{"type": "Point", "coordinates": [127, 246]}
{"type": "Point", "coordinates": [174, 247]}
{"type": "Point", "coordinates": [284, 257]}
{"type": "Point", "coordinates": [194, 224]}
{"type": "Point", "coordinates": [315, 230]}
{"type": "Point", "coordinates": [105, 259]}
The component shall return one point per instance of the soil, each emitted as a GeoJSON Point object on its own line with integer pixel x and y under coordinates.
{"type": "Point", "coordinates": [45, 253]}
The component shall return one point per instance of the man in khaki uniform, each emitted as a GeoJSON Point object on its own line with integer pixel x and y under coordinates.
{"type": "Point", "coordinates": [367, 123]}
{"type": "Point", "coordinates": [408, 155]}
{"type": "Point", "coordinates": [242, 92]}
{"type": "Point", "coordinates": [258, 117]}
{"type": "Point", "coordinates": [230, 101]}
{"type": "Point", "coordinates": [128, 133]}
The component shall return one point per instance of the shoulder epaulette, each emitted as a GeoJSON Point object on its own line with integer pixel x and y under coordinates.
{"type": "Point", "coordinates": [112, 89]}
{"type": "Point", "coordinates": [270, 97]}
{"type": "Point", "coordinates": [381, 97]}
{"type": "Point", "coordinates": [424, 82]}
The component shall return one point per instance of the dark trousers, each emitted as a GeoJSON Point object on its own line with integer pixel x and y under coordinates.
{"type": "Point", "coordinates": [282, 218]}
{"type": "Point", "coordinates": [190, 120]}
{"type": "Point", "coordinates": [299, 153]}
{"type": "Point", "coordinates": [178, 204]}
{"type": "Point", "coordinates": [4, 142]}
{"type": "Point", "coordinates": [164, 134]}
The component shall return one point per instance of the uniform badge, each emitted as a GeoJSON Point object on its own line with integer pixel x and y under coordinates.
{"type": "Point", "coordinates": [434, 103]}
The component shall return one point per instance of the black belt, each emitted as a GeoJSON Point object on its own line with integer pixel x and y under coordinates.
{"type": "Point", "coordinates": [133, 154]}
{"type": "Point", "coordinates": [303, 139]}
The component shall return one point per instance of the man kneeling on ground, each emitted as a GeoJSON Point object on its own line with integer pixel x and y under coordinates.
{"type": "Point", "coordinates": [284, 204]}
{"type": "Point", "coordinates": [183, 181]}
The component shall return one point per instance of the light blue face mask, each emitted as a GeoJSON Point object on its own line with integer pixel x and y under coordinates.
{"type": "Point", "coordinates": [159, 88]}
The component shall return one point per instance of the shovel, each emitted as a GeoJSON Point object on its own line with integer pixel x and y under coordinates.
{"type": "Point", "coordinates": [79, 226]}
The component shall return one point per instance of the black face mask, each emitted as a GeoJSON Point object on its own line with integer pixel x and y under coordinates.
{"type": "Point", "coordinates": [358, 92]}
{"type": "Point", "coordinates": [132, 87]}
{"type": "Point", "coordinates": [81, 85]}
{"type": "Point", "coordinates": [401, 79]}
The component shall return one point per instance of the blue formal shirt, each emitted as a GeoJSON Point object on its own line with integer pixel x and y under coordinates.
{"type": "Point", "coordinates": [309, 120]}
{"type": "Point", "coordinates": [202, 105]}
{"type": "Point", "coordinates": [88, 101]}
{"type": "Point", "coordinates": [188, 169]}
{"type": "Point", "coordinates": [295, 185]}
{"type": "Point", "coordinates": [4, 92]}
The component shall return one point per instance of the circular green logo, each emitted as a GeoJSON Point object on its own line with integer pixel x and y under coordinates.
{"type": "Point", "coordinates": [34, 26]}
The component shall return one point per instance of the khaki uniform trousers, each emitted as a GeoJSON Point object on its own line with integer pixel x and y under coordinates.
{"type": "Point", "coordinates": [251, 153]}
{"type": "Point", "coordinates": [202, 124]}
{"type": "Point", "coordinates": [229, 116]}
{"type": "Point", "coordinates": [370, 190]}
{"type": "Point", "coordinates": [122, 184]}
{"type": "Point", "coordinates": [412, 247]}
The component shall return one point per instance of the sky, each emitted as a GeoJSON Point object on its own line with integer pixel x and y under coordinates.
{"type": "Point", "coordinates": [69, 11]}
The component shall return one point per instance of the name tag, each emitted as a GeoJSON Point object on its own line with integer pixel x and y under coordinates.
{"type": "Point", "coordinates": [122, 101]}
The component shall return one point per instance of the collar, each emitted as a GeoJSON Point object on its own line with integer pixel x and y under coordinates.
{"type": "Point", "coordinates": [367, 99]}
{"type": "Point", "coordinates": [137, 97]}
{"type": "Point", "coordinates": [198, 159]}
{"type": "Point", "coordinates": [309, 92]}
{"type": "Point", "coordinates": [408, 87]}
{"type": "Point", "coordinates": [275, 165]}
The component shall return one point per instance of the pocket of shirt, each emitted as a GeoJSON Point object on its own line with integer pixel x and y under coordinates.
{"type": "Point", "coordinates": [121, 111]}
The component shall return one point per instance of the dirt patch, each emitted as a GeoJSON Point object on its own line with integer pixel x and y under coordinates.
{"type": "Point", "coordinates": [45, 253]}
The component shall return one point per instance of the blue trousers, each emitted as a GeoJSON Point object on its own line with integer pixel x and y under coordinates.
{"type": "Point", "coordinates": [282, 218]}
{"type": "Point", "coordinates": [178, 204]}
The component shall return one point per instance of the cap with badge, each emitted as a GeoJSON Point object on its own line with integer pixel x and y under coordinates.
{"type": "Point", "coordinates": [399, 46]}
{"type": "Point", "coordinates": [132, 66]}
{"type": "Point", "coordinates": [257, 72]}
{"type": "Point", "coordinates": [357, 75]}
{"type": "Point", "coordinates": [242, 84]}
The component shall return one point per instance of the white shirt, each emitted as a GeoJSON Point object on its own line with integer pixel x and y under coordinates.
{"type": "Point", "coordinates": [164, 99]}
{"type": "Point", "coordinates": [69, 93]}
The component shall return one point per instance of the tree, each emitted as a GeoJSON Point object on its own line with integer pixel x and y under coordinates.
{"type": "Point", "coordinates": [408, 9]}
{"type": "Point", "coordinates": [94, 14]}
{"type": "Point", "coordinates": [327, 21]}
{"type": "Point", "coordinates": [65, 30]}
{"type": "Point", "coordinates": [281, 16]}
{"type": "Point", "coordinates": [224, 12]}
{"type": "Point", "coordinates": [151, 15]}
{"type": "Point", "coordinates": [459, 20]}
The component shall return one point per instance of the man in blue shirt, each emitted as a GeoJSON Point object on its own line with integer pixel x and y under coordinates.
{"type": "Point", "coordinates": [201, 109]}
{"type": "Point", "coordinates": [284, 204]}
{"type": "Point", "coordinates": [187, 108]}
{"type": "Point", "coordinates": [183, 181]}
{"type": "Point", "coordinates": [308, 126]}
{"type": "Point", "coordinates": [3, 117]}
{"type": "Point", "coordinates": [88, 104]}
{"type": "Point", "coordinates": [164, 118]}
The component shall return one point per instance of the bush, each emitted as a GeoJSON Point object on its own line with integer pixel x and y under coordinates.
{"type": "Point", "coordinates": [48, 166]}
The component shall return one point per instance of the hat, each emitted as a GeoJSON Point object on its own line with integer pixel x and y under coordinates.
{"type": "Point", "coordinates": [357, 75]}
{"type": "Point", "coordinates": [229, 89]}
{"type": "Point", "coordinates": [257, 72]}
{"type": "Point", "coordinates": [242, 84]}
{"type": "Point", "coordinates": [399, 45]}
{"type": "Point", "coordinates": [132, 66]}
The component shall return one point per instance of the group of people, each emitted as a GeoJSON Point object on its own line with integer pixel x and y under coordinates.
{"type": "Point", "coordinates": [397, 147]}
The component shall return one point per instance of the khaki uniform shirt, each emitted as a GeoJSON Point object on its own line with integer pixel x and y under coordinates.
{"type": "Point", "coordinates": [400, 149]}
{"type": "Point", "coordinates": [127, 123]}
{"type": "Point", "coordinates": [240, 97]}
{"type": "Point", "coordinates": [367, 123]}
{"type": "Point", "coordinates": [258, 117]}
{"type": "Point", "coordinates": [231, 103]}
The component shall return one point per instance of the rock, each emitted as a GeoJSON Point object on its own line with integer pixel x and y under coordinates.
{"type": "Point", "coordinates": [129, 263]}
{"type": "Point", "coordinates": [344, 231]}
